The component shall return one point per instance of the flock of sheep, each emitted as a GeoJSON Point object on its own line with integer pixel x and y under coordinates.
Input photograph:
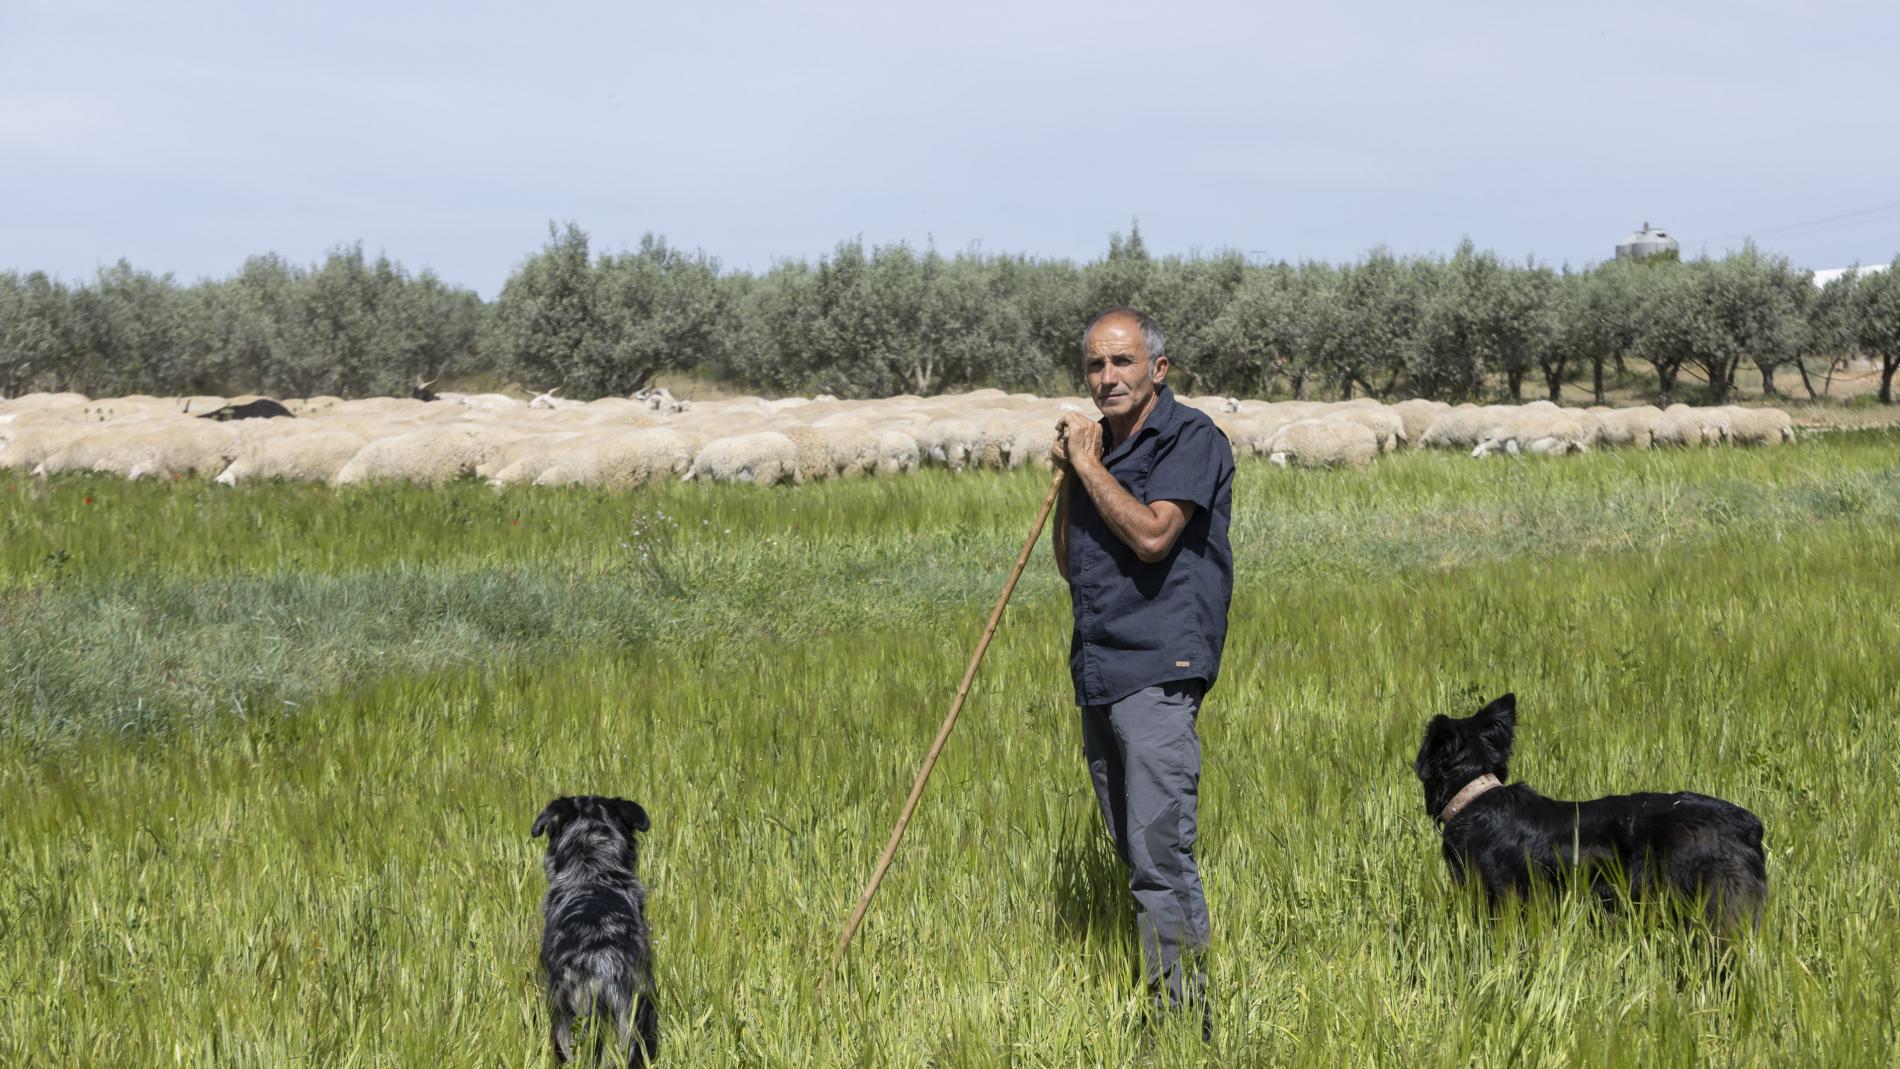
{"type": "Point", "coordinates": [622, 443]}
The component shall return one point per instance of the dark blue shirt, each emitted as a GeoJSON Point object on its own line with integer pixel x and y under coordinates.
{"type": "Point", "coordinates": [1138, 625]}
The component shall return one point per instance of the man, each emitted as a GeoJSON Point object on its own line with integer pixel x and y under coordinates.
{"type": "Point", "coordinates": [1141, 537]}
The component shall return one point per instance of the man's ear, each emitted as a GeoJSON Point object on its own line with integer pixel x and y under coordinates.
{"type": "Point", "coordinates": [1158, 368]}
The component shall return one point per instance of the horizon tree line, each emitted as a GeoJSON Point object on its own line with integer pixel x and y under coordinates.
{"type": "Point", "coordinates": [880, 320]}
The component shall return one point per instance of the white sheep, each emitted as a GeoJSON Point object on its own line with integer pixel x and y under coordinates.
{"type": "Point", "coordinates": [173, 449]}
{"type": "Point", "coordinates": [1033, 446]}
{"type": "Point", "coordinates": [1383, 423]}
{"type": "Point", "coordinates": [59, 446]}
{"type": "Point", "coordinates": [1463, 427]}
{"type": "Point", "coordinates": [1251, 432]}
{"type": "Point", "coordinates": [547, 402]}
{"type": "Point", "coordinates": [813, 451]}
{"type": "Point", "coordinates": [660, 399]}
{"type": "Point", "coordinates": [43, 402]}
{"type": "Point", "coordinates": [1211, 406]}
{"type": "Point", "coordinates": [897, 453]}
{"type": "Point", "coordinates": [522, 458]}
{"type": "Point", "coordinates": [762, 457]}
{"type": "Point", "coordinates": [1416, 415]}
{"type": "Point", "coordinates": [1323, 443]}
{"type": "Point", "coordinates": [485, 402]}
{"type": "Point", "coordinates": [623, 461]}
{"type": "Point", "coordinates": [1633, 428]}
{"type": "Point", "coordinates": [853, 450]}
{"type": "Point", "coordinates": [309, 456]}
{"type": "Point", "coordinates": [949, 442]}
{"type": "Point", "coordinates": [1539, 432]}
{"type": "Point", "coordinates": [429, 455]}
{"type": "Point", "coordinates": [1685, 425]}
{"type": "Point", "coordinates": [1759, 426]}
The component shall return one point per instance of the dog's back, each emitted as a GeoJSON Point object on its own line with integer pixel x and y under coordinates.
{"type": "Point", "coordinates": [1704, 848]}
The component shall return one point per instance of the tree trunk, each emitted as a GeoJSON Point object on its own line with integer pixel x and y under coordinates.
{"type": "Point", "coordinates": [1768, 380]}
{"type": "Point", "coordinates": [1666, 381]}
{"type": "Point", "coordinates": [1596, 381]}
{"type": "Point", "coordinates": [1806, 382]}
{"type": "Point", "coordinates": [1888, 365]}
{"type": "Point", "coordinates": [1515, 379]}
{"type": "Point", "coordinates": [1718, 380]}
{"type": "Point", "coordinates": [1299, 385]}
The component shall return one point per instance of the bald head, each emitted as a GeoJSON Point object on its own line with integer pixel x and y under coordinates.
{"type": "Point", "coordinates": [1153, 343]}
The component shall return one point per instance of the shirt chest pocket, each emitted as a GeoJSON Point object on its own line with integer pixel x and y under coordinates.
{"type": "Point", "coordinates": [1135, 478]}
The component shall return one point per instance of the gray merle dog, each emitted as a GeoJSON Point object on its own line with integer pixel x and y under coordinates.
{"type": "Point", "coordinates": [596, 951]}
{"type": "Point", "coordinates": [1703, 849]}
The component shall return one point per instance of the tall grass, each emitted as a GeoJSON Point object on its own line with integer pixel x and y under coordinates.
{"type": "Point", "coordinates": [347, 879]}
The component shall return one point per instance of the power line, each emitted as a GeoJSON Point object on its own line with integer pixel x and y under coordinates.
{"type": "Point", "coordinates": [1785, 229]}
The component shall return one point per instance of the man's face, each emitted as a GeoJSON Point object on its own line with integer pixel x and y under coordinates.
{"type": "Point", "coordinates": [1121, 377]}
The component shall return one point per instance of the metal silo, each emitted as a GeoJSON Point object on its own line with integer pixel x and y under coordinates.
{"type": "Point", "coordinates": [1645, 243]}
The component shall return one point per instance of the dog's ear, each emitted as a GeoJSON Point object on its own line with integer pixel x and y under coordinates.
{"type": "Point", "coordinates": [631, 815]}
{"type": "Point", "coordinates": [1438, 733]}
{"type": "Point", "coordinates": [1497, 726]}
{"type": "Point", "coordinates": [558, 812]}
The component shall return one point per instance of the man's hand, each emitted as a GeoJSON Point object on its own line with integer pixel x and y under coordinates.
{"type": "Point", "coordinates": [1148, 529]}
{"type": "Point", "coordinates": [1077, 436]}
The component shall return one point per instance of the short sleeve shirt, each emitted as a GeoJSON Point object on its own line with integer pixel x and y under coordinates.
{"type": "Point", "coordinates": [1137, 624]}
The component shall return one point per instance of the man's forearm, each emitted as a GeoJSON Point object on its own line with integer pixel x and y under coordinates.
{"type": "Point", "coordinates": [1136, 524]}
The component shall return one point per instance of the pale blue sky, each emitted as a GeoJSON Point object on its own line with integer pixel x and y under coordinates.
{"type": "Point", "coordinates": [187, 135]}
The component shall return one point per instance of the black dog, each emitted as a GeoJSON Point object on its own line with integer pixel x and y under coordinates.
{"type": "Point", "coordinates": [596, 950]}
{"type": "Point", "coordinates": [262, 408]}
{"type": "Point", "coordinates": [1703, 848]}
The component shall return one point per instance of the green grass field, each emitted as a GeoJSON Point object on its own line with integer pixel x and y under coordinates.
{"type": "Point", "coordinates": [268, 758]}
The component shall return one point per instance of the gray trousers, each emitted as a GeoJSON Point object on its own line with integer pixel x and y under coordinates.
{"type": "Point", "coordinates": [1145, 760]}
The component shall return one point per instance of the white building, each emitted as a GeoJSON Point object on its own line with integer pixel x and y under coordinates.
{"type": "Point", "coordinates": [1822, 278]}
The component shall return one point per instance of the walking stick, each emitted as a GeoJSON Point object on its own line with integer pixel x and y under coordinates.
{"type": "Point", "coordinates": [943, 733]}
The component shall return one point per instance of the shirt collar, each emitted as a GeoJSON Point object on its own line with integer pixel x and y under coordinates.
{"type": "Point", "coordinates": [1158, 420]}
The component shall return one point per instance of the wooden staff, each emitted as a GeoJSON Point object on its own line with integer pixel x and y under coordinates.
{"type": "Point", "coordinates": [949, 721]}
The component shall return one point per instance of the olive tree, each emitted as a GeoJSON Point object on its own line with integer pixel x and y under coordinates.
{"type": "Point", "coordinates": [1877, 322]}
{"type": "Point", "coordinates": [1831, 331]}
{"type": "Point", "coordinates": [1599, 317]}
{"type": "Point", "coordinates": [547, 325]}
{"type": "Point", "coordinates": [1265, 331]}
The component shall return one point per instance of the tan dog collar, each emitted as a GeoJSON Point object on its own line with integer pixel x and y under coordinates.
{"type": "Point", "coordinates": [1468, 795]}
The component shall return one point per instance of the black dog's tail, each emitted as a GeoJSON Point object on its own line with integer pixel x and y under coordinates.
{"type": "Point", "coordinates": [1726, 867]}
